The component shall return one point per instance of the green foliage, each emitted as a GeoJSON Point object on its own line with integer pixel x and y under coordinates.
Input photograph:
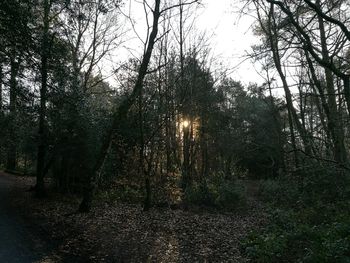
{"type": "Point", "coordinates": [249, 130]}
{"type": "Point", "coordinates": [313, 187]}
{"type": "Point", "coordinates": [216, 192]}
{"type": "Point", "coordinates": [279, 192]}
{"type": "Point", "coordinates": [290, 239]}
{"type": "Point", "coordinates": [325, 185]}
{"type": "Point", "coordinates": [311, 223]}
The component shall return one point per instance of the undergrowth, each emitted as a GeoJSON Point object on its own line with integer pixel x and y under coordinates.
{"type": "Point", "coordinates": [308, 221]}
{"type": "Point", "coordinates": [216, 192]}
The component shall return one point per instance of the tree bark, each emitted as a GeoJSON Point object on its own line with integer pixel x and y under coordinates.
{"type": "Point", "coordinates": [1, 111]}
{"type": "Point", "coordinates": [273, 39]}
{"type": "Point", "coordinates": [186, 158]}
{"type": "Point", "coordinates": [12, 143]}
{"type": "Point", "coordinates": [308, 45]}
{"type": "Point", "coordinates": [1, 81]}
{"type": "Point", "coordinates": [41, 157]}
{"type": "Point", "coordinates": [334, 117]}
{"type": "Point", "coordinates": [318, 89]}
{"type": "Point", "coordinates": [121, 114]}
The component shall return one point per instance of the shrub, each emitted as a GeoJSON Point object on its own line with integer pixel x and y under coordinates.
{"type": "Point", "coordinates": [216, 192]}
{"type": "Point", "coordinates": [287, 240]}
{"type": "Point", "coordinates": [326, 186]}
{"type": "Point", "coordinates": [231, 195]}
{"type": "Point", "coordinates": [200, 194]}
{"type": "Point", "coordinates": [308, 222]}
{"type": "Point", "coordinates": [279, 192]}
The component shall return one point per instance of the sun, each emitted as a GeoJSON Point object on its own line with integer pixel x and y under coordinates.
{"type": "Point", "coordinates": [185, 123]}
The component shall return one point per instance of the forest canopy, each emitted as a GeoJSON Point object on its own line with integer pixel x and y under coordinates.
{"type": "Point", "coordinates": [169, 128]}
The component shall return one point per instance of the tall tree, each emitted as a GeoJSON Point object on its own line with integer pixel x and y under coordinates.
{"type": "Point", "coordinates": [16, 42]}
{"type": "Point", "coordinates": [45, 50]}
{"type": "Point", "coordinates": [122, 112]}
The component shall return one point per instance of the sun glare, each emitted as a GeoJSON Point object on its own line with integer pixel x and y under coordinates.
{"type": "Point", "coordinates": [185, 123]}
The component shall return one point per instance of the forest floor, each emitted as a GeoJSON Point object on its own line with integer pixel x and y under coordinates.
{"type": "Point", "coordinates": [120, 232]}
{"type": "Point", "coordinates": [20, 240]}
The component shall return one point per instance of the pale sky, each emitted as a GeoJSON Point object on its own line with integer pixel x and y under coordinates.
{"type": "Point", "coordinates": [230, 35]}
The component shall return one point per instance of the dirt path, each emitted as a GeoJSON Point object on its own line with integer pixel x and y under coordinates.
{"type": "Point", "coordinates": [20, 241]}
{"type": "Point", "coordinates": [120, 232]}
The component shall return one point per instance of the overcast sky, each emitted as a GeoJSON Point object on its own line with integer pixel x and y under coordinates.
{"type": "Point", "coordinates": [230, 35]}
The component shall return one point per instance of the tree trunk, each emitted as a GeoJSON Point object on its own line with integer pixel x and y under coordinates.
{"type": "Point", "coordinates": [147, 201]}
{"type": "Point", "coordinates": [12, 140]}
{"type": "Point", "coordinates": [1, 81]}
{"type": "Point", "coordinates": [1, 112]}
{"type": "Point", "coordinates": [273, 39]}
{"type": "Point", "coordinates": [308, 45]}
{"type": "Point", "coordinates": [318, 89]}
{"type": "Point", "coordinates": [186, 158]}
{"type": "Point", "coordinates": [41, 158]}
{"type": "Point", "coordinates": [334, 117]}
{"type": "Point", "coordinates": [121, 114]}
{"type": "Point", "coordinates": [278, 128]}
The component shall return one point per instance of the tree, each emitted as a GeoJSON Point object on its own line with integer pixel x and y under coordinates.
{"type": "Point", "coordinates": [124, 107]}
{"type": "Point", "coordinates": [45, 49]}
{"type": "Point", "coordinates": [87, 32]}
{"type": "Point", "coordinates": [121, 112]}
{"type": "Point", "coordinates": [16, 43]}
{"type": "Point", "coordinates": [289, 28]}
